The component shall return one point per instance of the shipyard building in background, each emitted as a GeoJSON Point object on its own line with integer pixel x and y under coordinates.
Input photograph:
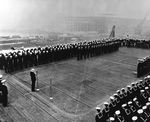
{"type": "Point", "coordinates": [102, 26]}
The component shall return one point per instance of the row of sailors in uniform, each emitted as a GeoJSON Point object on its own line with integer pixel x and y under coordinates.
{"type": "Point", "coordinates": [131, 104]}
{"type": "Point", "coordinates": [14, 61]}
{"type": "Point", "coordinates": [88, 49]}
{"type": "Point", "coordinates": [138, 43]}
{"type": "Point", "coordinates": [143, 66]}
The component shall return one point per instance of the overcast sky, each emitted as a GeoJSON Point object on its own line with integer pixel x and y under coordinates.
{"type": "Point", "coordinates": [44, 13]}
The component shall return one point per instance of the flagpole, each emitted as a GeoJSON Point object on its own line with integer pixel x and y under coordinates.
{"type": "Point", "coordinates": [50, 83]}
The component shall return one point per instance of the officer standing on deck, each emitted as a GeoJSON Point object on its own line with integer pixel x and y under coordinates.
{"type": "Point", "coordinates": [33, 79]}
{"type": "Point", "coordinates": [4, 90]}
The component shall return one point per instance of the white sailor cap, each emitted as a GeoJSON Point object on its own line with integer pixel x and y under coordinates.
{"type": "Point", "coordinates": [144, 107]}
{"type": "Point", "coordinates": [133, 83]}
{"type": "Point", "coordinates": [134, 99]}
{"type": "Point", "coordinates": [140, 111]}
{"type": "Point", "coordinates": [3, 81]}
{"type": "Point", "coordinates": [111, 98]}
{"type": "Point", "coordinates": [1, 76]}
{"type": "Point", "coordinates": [98, 108]}
{"type": "Point", "coordinates": [124, 105]}
{"type": "Point", "coordinates": [134, 118]}
{"type": "Point", "coordinates": [115, 95]}
{"type": "Point", "coordinates": [111, 119]}
{"type": "Point", "coordinates": [123, 89]}
{"type": "Point", "coordinates": [128, 86]}
{"type": "Point", "coordinates": [117, 112]}
{"type": "Point", "coordinates": [148, 77]}
{"type": "Point", "coordinates": [149, 99]}
{"type": "Point", "coordinates": [148, 104]}
{"type": "Point", "coordinates": [130, 102]}
{"type": "Point", "coordinates": [118, 91]}
{"type": "Point", "coordinates": [106, 103]}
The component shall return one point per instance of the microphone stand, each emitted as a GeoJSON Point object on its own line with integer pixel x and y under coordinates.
{"type": "Point", "coordinates": [37, 81]}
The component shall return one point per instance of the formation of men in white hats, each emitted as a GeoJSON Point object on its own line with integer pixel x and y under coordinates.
{"type": "Point", "coordinates": [129, 104]}
{"type": "Point", "coordinates": [21, 59]}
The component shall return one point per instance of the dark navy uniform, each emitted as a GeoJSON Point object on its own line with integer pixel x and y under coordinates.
{"type": "Point", "coordinates": [4, 91]}
{"type": "Point", "coordinates": [33, 79]}
{"type": "Point", "coordinates": [99, 116]}
{"type": "Point", "coordinates": [139, 68]}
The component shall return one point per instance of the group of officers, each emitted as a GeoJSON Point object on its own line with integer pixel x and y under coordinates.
{"type": "Point", "coordinates": [136, 43]}
{"type": "Point", "coordinates": [130, 104]}
{"type": "Point", "coordinates": [20, 59]}
{"type": "Point", "coordinates": [143, 66]}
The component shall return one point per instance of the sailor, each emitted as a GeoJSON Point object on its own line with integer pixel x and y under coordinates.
{"type": "Point", "coordinates": [99, 116]}
{"type": "Point", "coordinates": [25, 60]}
{"type": "Point", "coordinates": [112, 106]}
{"type": "Point", "coordinates": [124, 93]}
{"type": "Point", "coordinates": [131, 91]}
{"type": "Point", "coordinates": [39, 57]}
{"type": "Point", "coordinates": [118, 116]}
{"type": "Point", "coordinates": [4, 91]}
{"type": "Point", "coordinates": [6, 63]}
{"type": "Point", "coordinates": [33, 58]}
{"type": "Point", "coordinates": [121, 97]}
{"type": "Point", "coordinates": [11, 64]}
{"type": "Point", "coordinates": [20, 59]}
{"type": "Point", "coordinates": [1, 64]}
{"type": "Point", "coordinates": [106, 110]}
{"type": "Point", "coordinates": [2, 61]}
{"type": "Point", "coordinates": [78, 52]}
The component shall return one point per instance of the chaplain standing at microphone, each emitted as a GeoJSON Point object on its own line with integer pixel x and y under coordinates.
{"type": "Point", "coordinates": [33, 79]}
